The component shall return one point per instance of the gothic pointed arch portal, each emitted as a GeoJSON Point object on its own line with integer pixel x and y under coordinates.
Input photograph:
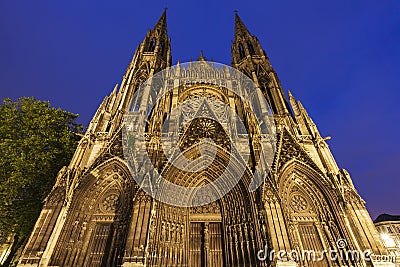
{"type": "Point", "coordinates": [314, 223]}
{"type": "Point", "coordinates": [96, 218]}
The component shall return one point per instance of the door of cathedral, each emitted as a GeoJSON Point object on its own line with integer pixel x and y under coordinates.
{"type": "Point", "coordinates": [206, 244]}
{"type": "Point", "coordinates": [206, 237]}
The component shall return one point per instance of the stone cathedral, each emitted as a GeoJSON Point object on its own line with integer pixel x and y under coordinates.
{"type": "Point", "coordinates": [97, 214]}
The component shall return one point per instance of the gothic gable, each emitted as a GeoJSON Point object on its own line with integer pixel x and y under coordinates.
{"type": "Point", "coordinates": [289, 150]}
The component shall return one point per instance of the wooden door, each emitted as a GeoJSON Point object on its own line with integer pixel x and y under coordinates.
{"type": "Point", "coordinates": [206, 244]}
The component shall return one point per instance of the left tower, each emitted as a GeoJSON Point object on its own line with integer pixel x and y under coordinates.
{"type": "Point", "coordinates": [85, 220]}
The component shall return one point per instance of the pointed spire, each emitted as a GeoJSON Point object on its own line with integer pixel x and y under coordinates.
{"type": "Point", "coordinates": [240, 28]}
{"type": "Point", "coordinates": [249, 57]}
{"type": "Point", "coordinates": [112, 98]}
{"type": "Point", "coordinates": [244, 44]}
{"type": "Point", "coordinates": [178, 68]}
{"type": "Point", "coordinates": [301, 107]}
{"type": "Point", "coordinates": [162, 22]}
{"type": "Point", "coordinates": [293, 104]}
{"type": "Point", "coordinates": [157, 40]}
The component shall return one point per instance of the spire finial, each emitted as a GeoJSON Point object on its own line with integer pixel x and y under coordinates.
{"type": "Point", "coordinates": [201, 57]}
{"type": "Point", "coordinates": [240, 28]}
{"type": "Point", "coordinates": [162, 21]}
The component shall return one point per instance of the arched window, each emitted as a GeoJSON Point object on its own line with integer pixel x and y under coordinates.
{"type": "Point", "coordinates": [161, 48]}
{"type": "Point", "coordinates": [241, 51]}
{"type": "Point", "coordinates": [251, 48]}
{"type": "Point", "coordinates": [152, 46]}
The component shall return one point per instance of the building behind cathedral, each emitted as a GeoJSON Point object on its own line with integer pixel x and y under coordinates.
{"type": "Point", "coordinates": [98, 215]}
{"type": "Point", "coordinates": [388, 227]}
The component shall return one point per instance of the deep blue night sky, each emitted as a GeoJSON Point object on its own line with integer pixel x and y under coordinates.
{"type": "Point", "coordinates": [340, 58]}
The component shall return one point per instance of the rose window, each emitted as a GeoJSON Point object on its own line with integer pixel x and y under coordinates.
{"type": "Point", "coordinates": [299, 203]}
{"type": "Point", "coordinates": [110, 203]}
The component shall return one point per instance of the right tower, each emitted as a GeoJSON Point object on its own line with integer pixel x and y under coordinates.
{"type": "Point", "coordinates": [309, 202]}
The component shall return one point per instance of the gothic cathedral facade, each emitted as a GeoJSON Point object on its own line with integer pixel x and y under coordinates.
{"type": "Point", "coordinates": [98, 215]}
